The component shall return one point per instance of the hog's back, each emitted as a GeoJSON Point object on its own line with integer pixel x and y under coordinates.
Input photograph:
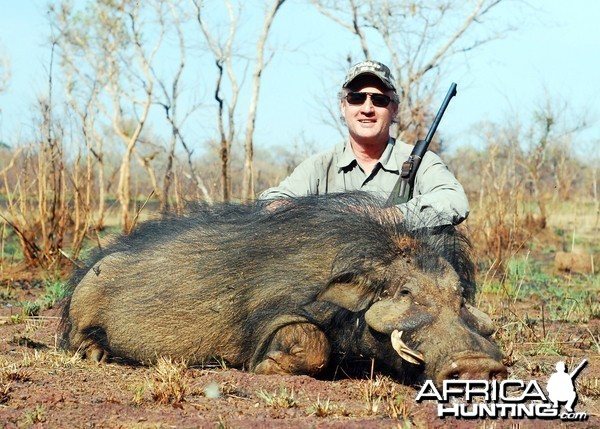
{"type": "Point", "coordinates": [193, 296]}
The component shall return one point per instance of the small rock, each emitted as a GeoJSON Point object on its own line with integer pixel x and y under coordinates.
{"type": "Point", "coordinates": [574, 262]}
{"type": "Point", "coordinates": [212, 391]}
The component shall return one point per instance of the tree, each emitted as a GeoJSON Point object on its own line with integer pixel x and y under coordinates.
{"type": "Point", "coordinates": [259, 65]}
{"type": "Point", "coordinates": [170, 102]}
{"type": "Point", "coordinates": [419, 37]}
{"type": "Point", "coordinates": [41, 204]}
{"type": "Point", "coordinates": [548, 134]}
{"type": "Point", "coordinates": [4, 72]}
{"type": "Point", "coordinates": [224, 52]}
{"type": "Point", "coordinates": [107, 57]}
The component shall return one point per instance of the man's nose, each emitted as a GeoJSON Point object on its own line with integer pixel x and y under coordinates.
{"type": "Point", "coordinates": [367, 106]}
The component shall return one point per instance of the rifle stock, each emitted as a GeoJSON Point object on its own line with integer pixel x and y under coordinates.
{"type": "Point", "coordinates": [403, 189]}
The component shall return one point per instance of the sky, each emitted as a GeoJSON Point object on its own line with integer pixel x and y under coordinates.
{"type": "Point", "coordinates": [557, 50]}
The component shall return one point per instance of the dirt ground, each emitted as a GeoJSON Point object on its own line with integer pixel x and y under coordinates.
{"type": "Point", "coordinates": [42, 386]}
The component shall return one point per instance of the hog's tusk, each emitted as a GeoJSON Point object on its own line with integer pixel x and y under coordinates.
{"type": "Point", "coordinates": [404, 351]}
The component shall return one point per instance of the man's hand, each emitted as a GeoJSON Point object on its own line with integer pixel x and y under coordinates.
{"type": "Point", "coordinates": [273, 205]}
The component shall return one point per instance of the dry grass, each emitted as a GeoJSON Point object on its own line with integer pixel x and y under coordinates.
{"type": "Point", "coordinates": [534, 307]}
{"type": "Point", "coordinates": [278, 400]}
{"type": "Point", "coordinates": [589, 387]}
{"type": "Point", "coordinates": [321, 408]}
{"type": "Point", "coordinates": [36, 415]}
{"type": "Point", "coordinates": [381, 394]}
{"type": "Point", "coordinates": [170, 382]}
{"type": "Point", "coordinates": [48, 358]}
{"type": "Point", "coordinates": [139, 392]}
{"type": "Point", "coordinates": [14, 372]}
{"type": "Point", "coordinates": [5, 389]}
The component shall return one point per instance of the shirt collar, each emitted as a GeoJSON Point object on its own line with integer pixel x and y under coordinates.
{"type": "Point", "coordinates": [346, 157]}
{"type": "Point", "coordinates": [387, 161]}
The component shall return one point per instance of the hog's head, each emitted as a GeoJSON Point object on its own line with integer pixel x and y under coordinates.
{"type": "Point", "coordinates": [418, 321]}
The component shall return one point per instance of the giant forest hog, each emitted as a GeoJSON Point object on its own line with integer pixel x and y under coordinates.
{"type": "Point", "coordinates": [287, 290]}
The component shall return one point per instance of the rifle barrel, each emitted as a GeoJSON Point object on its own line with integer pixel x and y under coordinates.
{"type": "Point", "coordinates": [451, 93]}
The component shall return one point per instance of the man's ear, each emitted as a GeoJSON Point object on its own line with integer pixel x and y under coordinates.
{"type": "Point", "coordinates": [343, 108]}
{"type": "Point", "coordinates": [396, 105]}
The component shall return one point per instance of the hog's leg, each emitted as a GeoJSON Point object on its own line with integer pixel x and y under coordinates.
{"type": "Point", "coordinates": [88, 308]}
{"type": "Point", "coordinates": [97, 354]}
{"type": "Point", "coordinates": [300, 348]}
{"type": "Point", "coordinates": [91, 344]}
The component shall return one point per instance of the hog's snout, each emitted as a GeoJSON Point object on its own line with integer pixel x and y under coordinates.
{"type": "Point", "coordinates": [472, 368]}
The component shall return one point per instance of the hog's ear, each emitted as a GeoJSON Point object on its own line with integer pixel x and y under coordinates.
{"type": "Point", "coordinates": [387, 315]}
{"type": "Point", "coordinates": [478, 320]}
{"type": "Point", "coordinates": [348, 291]}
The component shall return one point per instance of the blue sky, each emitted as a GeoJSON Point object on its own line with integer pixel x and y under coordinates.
{"type": "Point", "coordinates": [558, 50]}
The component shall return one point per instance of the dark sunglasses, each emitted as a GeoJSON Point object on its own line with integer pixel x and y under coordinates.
{"type": "Point", "coordinates": [358, 98]}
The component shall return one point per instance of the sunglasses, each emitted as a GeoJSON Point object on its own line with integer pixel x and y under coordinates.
{"type": "Point", "coordinates": [358, 98]}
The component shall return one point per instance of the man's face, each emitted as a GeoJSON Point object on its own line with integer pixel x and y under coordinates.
{"type": "Point", "coordinates": [367, 123]}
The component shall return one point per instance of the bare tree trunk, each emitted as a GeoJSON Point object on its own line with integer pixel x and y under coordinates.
{"type": "Point", "coordinates": [101, 193]}
{"type": "Point", "coordinates": [170, 107]}
{"type": "Point", "coordinates": [171, 112]}
{"type": "Point", "coordinates": [75, 76]}
{"type": "Point", "coordinates": [112, 66]}
{"type": "Point", "coordinates": [595, 194]}
{"type": "Point", "coordinates": [248, 180]}
{"type": "Point", "coordinates": [168, 177]}
{"type": "Point", "coordinates": [536, 158]}
{"type": "Point", "coordinates": [224, 144]}
{"type": "Point", "coordinates": [223, 61]}
{"type": "Point", "coordinates": [4, 72]}
{"type": "Point", "coordinates": [145, 164]}
{"type": "Point", "coordinates": [123, 188]}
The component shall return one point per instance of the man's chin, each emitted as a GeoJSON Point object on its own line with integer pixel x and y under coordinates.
{"type": "Point", "coordinates": [370, 138]}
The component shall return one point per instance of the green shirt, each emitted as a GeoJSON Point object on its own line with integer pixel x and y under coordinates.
{"type": "Point", "coordinates": [438, 198]}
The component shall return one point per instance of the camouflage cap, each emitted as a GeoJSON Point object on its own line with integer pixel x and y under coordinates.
{"type": "Point", "coordinates": [374, 68]}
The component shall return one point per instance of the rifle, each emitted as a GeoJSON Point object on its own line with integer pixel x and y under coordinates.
{"type": "Point", "coordinates": [575, 372]}
{"type": "Point", "coordinates": [403, 189]}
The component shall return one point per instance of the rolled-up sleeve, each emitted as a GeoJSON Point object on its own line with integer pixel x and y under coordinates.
{"type": "Point", "coordinates": [300, 183]}
{"type": "Point", "coordinates": [438, 197]}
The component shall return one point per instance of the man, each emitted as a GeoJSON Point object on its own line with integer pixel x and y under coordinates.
{"type": "Point", "coordinates": [561, 386]}
{"type": "Point", "coordinates": [371, 160]}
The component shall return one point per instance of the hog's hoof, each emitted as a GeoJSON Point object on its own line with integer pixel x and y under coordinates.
{"type": "Point", "coordinates": [279, 363]}
{"type": "Point", "coordinates": [96, 354]}
{"type": "Point", "coordinates": [296, 349]}
{"type": "Point", "coordinates": [93, 351]}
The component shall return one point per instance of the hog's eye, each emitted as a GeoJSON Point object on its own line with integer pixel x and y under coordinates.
{"type": "Point", "coordinates": [404, 292]}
